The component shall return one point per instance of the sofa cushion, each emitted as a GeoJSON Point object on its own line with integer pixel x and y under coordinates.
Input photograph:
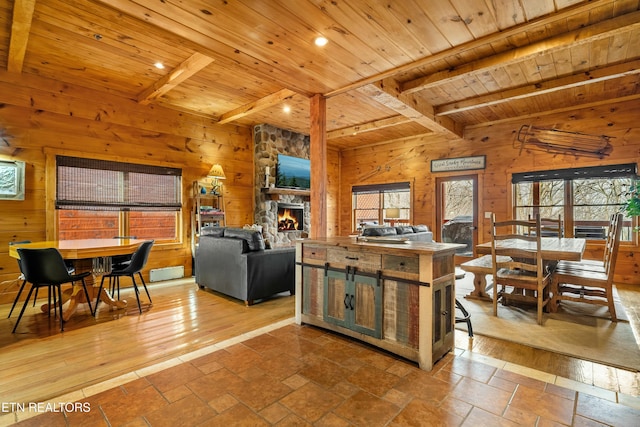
{"type": "Point", "coordinates": [379, 231]}
{"type": "Point", "coordinates": [420, 228]}
{"type": "Point", "coordinates": [212, 231]}
{"type": "Point", "coordinates": [254, 239]}
{"type": "Point", "coordinates": [404, 229]}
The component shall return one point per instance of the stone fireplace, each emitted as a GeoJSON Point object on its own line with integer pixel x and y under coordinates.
{"type": "Point", "coordinates": [277, 210]}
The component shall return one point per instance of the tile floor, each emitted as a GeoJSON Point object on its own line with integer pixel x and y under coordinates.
{"type": "Point", "coordinates": [299, 375]}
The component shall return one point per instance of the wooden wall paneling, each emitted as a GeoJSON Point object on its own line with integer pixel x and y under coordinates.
{"type": "Point", "coordinates": [39, 113]}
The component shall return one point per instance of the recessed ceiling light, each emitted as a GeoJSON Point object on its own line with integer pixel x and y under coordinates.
{"type": "Point", "coordinates": [159, 65]}
{"type": "Point", "coordinates": [286, 109]}
{"type": "Point", "coordinates": [321, 41]}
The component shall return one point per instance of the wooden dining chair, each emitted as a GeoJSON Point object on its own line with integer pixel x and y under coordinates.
{"type": "Point", "coordinates": [550, 227]}
{"type": "Point", "coordinates": [523, 270]}
{"type": "Point", "coordinates": [591, 284]}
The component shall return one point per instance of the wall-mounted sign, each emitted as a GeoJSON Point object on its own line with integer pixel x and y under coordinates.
{"type": "Point", "coordinates": [11, 180]}
{"type": "Point", "coordinates": [458, 164]}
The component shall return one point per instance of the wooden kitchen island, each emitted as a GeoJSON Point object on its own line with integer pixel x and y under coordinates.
{"type": "Point", "coordinates": [397, 296]}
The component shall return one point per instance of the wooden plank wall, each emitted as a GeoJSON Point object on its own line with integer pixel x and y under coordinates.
{"type": "Point", "coordinates": [38, 116]}
{"type": "Point", "coordinates": [410, 160]}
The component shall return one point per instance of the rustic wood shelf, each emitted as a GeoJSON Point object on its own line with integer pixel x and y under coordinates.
{"type": "Point", "coordinates": [275, 192]}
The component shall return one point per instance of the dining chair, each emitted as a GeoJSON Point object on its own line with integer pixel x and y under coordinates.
{"type": "Point", "coordinates": [550, 227]}
{"type": "Point", "coordinates": [24, 281]}
{"type": "Point", "coordinates": [118, 262]}
{"type": "Point", "coordinates": [138, 261]}
{"type": "Point", "coordinates": [590, 283]}
{"type": "Point", "coordinates": [46, 268]}
{"type": "Point", "coordinates": [523, 270]}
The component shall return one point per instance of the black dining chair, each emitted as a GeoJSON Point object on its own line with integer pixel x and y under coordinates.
{"type": "Point", "coordinates": [118, 262]}
{"type": "Point", "coordinates": [138, 261]}
{"type": "Point", "coordinates": [46, 268]}
{"type": "Point", "coordinates": [24, 281]}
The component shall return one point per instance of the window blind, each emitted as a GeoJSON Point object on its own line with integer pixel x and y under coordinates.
{"type": "Point", "coordinates": [90, 184]}
{"type": "Point", "coordinates": [382, 188]}
{"type": "Point", "coordinates": [629, 170]}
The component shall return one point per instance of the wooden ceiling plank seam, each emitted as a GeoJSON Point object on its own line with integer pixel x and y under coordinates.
{"type": "Point", "coordinates": [538, 8]}
{"type": "Point", "coordinates": [20, 27]}
{"type": "Point", "coordinates": [182, 72]}
{"type": "Point", "coordinates": [452, 27]}
{"type": "Point", "coordinates": [538, 88]}
{"type": "Point", "coordinates": [261, 104]}
{"type": "Point", "coordinates": [573, 38]}
{"type": "Point", "coordinates": [617, 48]}
{"type": "Point", "coordinates": [477, 16]}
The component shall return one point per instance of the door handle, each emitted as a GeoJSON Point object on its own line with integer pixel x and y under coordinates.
{"type": "Point", "coordinates": [346, 301]}
{"type": "Point", "coordinates": [351, 302]}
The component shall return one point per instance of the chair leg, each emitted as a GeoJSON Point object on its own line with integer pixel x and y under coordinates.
{"type": "Point", "coordinates": [135, 287]}
{"type": "Point", "coordinates": [26, 302]}
{"type": "Point", "coordinates": [612, 307]}
{"type": "Point", "coordinates": [145, 286]}
{"type": "Point", "coordinates": [86, 294]}
{"type": "Point", "coordinates": [60, 307]}
{"type": "Point", "coordinates": [15, 301]}
{"type": "Point", "coordinates": [95, 309]}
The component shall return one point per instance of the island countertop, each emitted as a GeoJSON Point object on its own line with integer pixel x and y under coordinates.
{"type": "Point", "coordinates": [390, 245]}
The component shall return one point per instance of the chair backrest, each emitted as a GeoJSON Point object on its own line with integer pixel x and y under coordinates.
{"type": "Point", "coordinates": [43, 266]}
{"type": "Point", "coordinates": [139, 257]}
{"type": "Point", "coordinates": [520, 251]}
{"type": "Point", "coordinates": [19, 243]}
{"type": "Point", "coordinates": [550, 227]}
{"type": "Point", "coordinates": [612, 244]}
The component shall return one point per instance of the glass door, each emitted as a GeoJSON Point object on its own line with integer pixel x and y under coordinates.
{"type": "Point", "coordinates": [457, 213]}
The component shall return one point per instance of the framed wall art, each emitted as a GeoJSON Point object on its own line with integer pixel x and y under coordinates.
{"type": "Point", "coordinates": [11, 180]}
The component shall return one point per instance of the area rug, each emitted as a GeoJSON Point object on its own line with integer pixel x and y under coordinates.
{"type": "Point", "coordinates": [580, 330]}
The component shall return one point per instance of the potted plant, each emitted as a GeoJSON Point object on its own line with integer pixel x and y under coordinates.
{"type": "Point", "coordinates": [632, 208]}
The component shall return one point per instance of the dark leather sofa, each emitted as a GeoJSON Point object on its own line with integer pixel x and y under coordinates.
{"type": "Point", "coordinates": [235, 262]}
{"type": "Point", "coordinates": [418, 233]}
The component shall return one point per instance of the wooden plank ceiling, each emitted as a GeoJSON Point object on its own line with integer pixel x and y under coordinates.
{"type": "Point", "coordinates": [391, 69]}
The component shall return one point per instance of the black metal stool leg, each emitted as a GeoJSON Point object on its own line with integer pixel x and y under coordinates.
{"type": "Point", "coordinates": [466, 317]}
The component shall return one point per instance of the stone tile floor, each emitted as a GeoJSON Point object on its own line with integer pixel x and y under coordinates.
{"type": "Point", "coordinates": [299, 375]}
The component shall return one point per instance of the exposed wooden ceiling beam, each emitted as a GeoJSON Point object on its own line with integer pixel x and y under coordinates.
{"type": "Point", "coordinates": [598, 75]}
{"type": "Point", "coordinates": [252, 107]}
{"type": "Point", "coordinates": [182, 72]}
{"type": "Point", "coordinates": [536, 116]}
{"type": "Point", "coordinates": [472, 45]}
{"type": "Point", "coordinates": [20, 27]}
{"type": "Point", "coordinates": [387, 93]}
{"type": "Point", "coordinates": [608, 28]}
{"type": "Point", "coordinates": [368, 127]}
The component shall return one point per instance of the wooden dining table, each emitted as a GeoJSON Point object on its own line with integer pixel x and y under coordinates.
{"type": "Point", "coordinates": [92, 255]}
{"type": "Point", "coordinates": [554, 249]}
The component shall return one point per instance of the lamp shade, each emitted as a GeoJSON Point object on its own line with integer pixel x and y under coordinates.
{"type": "Point", "coordinates": [216, 172]}
{"type": "Point", "coordinates": [392, 212]}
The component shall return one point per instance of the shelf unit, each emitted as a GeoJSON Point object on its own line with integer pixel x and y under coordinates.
{"type": "Point", "coordinates": [208, 209]}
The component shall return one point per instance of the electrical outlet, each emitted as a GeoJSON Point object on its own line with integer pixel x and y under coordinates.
{"type": "Point", "coordinates": [487, 215]}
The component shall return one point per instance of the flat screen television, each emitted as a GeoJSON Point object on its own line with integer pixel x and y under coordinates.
{"type": "Point", "coordinates": [293, 172]}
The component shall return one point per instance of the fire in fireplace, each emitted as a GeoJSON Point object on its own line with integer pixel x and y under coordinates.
{"type": "Point", "coordinates": [290, 216]}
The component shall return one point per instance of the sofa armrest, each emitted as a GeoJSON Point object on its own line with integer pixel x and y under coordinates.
{"type": "Point", "coordinates": [270, 272]}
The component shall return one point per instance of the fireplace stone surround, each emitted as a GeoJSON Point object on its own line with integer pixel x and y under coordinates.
{"type": "Point", "coordinates": [269, 141]}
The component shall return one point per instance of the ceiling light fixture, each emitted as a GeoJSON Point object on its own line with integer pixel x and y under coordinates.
{"type": "Point", "coordinates": [159, 65]}
{"type": "Point", "coordinates": [286, 109]}
{"type": "Point", "coordinates": [321, 41]}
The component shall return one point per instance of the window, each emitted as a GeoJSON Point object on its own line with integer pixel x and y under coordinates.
{"type": "Point", "coordinates": [103, 199]}
{"type": "Point", "coordinates": [380, 204]}
{"type": "Point", "coordinates": [584, 197]}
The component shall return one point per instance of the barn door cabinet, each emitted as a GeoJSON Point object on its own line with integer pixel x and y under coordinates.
{"type": "Point", "coordinates": [399, 297]}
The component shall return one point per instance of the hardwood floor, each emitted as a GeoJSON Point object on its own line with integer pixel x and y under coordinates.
{"type": "Point", "coordinates": [40, 363]}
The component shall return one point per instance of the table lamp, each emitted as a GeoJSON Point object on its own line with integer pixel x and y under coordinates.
{"type": "Point", "coordinates": [216, 174]}
{"type": "Point", "coordinates": [392, 213]}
